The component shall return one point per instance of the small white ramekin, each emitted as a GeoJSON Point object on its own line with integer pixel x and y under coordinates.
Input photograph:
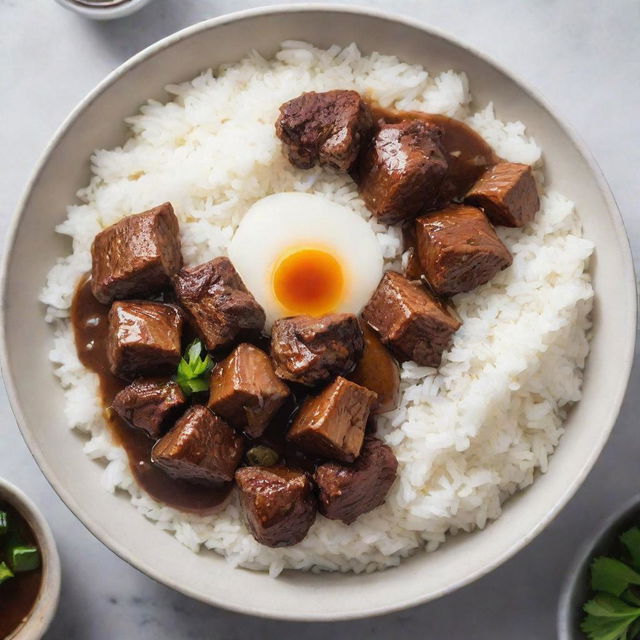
{"type": "Point", "coordinates": [39, 619]}
{"type": "Point", "coordinates": [104, 13]}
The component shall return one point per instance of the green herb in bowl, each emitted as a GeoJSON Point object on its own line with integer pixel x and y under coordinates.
{"type": "Point", "coordinates": [614, 611]}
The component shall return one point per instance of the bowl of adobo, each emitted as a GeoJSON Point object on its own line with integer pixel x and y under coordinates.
{"type": "Point", "coordinates": [335, 335]}
{"type": "Point", "coordinates": [29, 567]}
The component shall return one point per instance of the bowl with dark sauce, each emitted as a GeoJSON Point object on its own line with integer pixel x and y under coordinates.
{"type": "Point", "coordinates": [29, 567]}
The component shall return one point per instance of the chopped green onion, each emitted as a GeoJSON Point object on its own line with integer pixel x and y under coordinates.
{"type": "Point", "coordinates": [262, 456]}
{"type": "Point", "coordinates": [3, 522]}
{"type": "Point", "coordinates": [5, 572]}
{"type": "Point", "coordinates": [24, 558]}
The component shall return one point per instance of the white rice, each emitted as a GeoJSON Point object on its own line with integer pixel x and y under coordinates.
{"type": "Point", "coordinates": [466, 436]}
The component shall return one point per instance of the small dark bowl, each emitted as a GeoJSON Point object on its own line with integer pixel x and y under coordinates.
{"type": "Point", "coordinates": [576, 591]}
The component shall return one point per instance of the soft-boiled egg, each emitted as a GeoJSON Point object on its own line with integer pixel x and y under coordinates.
{"type": "Point", "coordinates": [303, 254]}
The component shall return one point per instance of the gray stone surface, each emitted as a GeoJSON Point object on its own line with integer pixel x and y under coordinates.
{"type": "Point", "coordinates": [583, 55]}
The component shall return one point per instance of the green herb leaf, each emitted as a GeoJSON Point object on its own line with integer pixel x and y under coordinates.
{"type": "Point", "coordinates": [3, 522]}
{"type": "Point", "coordinates": [634, 629]}
{"type": "Point", "coordinates": [614, 612]}
{"type": "Point", "coordinates": [631, 540]}
{"type": "Point", "coordinates": [606, 628]}
{"type": "Point", "coordinates": [612, 576]}
{"type": "Point", "coordinates": [193, 369]}
{"type": "Point", "coordinates": [608, 618]}
{"type": "Point", "coordinates": [604, 605]}
{"type": "Point", "coordinates": [630, 596]}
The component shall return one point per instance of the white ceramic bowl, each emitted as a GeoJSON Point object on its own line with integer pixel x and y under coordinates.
{"type": "Point", "coordinates": [120, 10]}
{"type": "Point", "coordinates": [33, 248]}
{"type": "Point", "coordinates": [39, 619]}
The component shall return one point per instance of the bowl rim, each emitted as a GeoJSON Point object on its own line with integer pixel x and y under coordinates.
{"type": "Point", "coordinates": [44, 608]}
{"type": "Point", "coordinates": [564, 629]}
{"type": "Point", "coordinates": [624, 365]}
{"type": "Point", "coordinates": [104, 13]}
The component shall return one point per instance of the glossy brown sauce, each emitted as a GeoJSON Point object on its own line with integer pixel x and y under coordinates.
{"type": "Point", "coordinates": [91, 326]}
{"type": "Point", "coordinates": [378, 370]}
{"type": "Point", "coordinates": [18, 594]}
{"type": "Point", "coordinates": [466, 152]}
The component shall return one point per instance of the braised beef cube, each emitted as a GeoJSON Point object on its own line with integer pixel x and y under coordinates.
{"type": "Point", "coordinates": [245, 390]}
{"type": "Point", "coordinates": [507, 193]}
{"type": "Point", "coordinates": [410, 320]}
{"type": "Point", "coordinates": [401, 170]}
{"type": "Point", "coordinates": [348, 491]}
{"type": "Point", "coordinates": [217, 302]}
{"type": "Point", "coordinates": [149, 404]}
{"type": "Point", "coordinates": [332, 424]}
{"type": "Point", "coordinates": [326, 128]}
{"type": "Point", "coordinates": [311, 350]}
{"type": "Point", "coordinates": [137, 256]}
{"type": "Point", "coordinates": [378, 371]}
{"type": "Point", "coordinates": [278, 504]}
{"type": "Point", "coordinates": [200, 448]}
{"type": "Point", "coordinates": [144, 338]}
{"type": "Point", "coordinates": [459, 249]}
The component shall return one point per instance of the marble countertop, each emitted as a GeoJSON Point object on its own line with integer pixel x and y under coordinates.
{"type": "Point", "coordinates": [581, 54]}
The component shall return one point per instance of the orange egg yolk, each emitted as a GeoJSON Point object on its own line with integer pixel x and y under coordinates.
{"type": "Point", "coordinates": [308, 281]}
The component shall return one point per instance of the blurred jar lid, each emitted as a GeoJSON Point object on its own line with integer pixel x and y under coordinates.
{"type": "Point", "coordinates": [103, 9]}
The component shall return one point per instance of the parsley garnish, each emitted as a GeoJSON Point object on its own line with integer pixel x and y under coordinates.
{"type": "Point", "coordinates": [193, 370]}
{"type": "Point", "coordinates": [614, 612]}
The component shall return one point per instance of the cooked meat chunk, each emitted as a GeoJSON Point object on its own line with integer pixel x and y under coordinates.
{"type": "Point", "coordinates": [507, 193]}
{"type": "Point", "coordinates": [401, 170]}
{"type": "Point", "coordinates": [409, 320]}
{"type": "Point", "coordinates": [378, 371]}
{"type": "Point", "coordinates": [144, 338]}
{"type": "Point", "coordinates": [217, 302]}
{"type": "Point", "coordinates": [278, 503]}
{"type": "Point", "coordinates": [348, 491]}
{"type": "Point", "coordinates": [149, 404]}
{"type": "Point", "coordinates": [459, 249]}
{"type": "Point", "coordinates": [137, 256]}
{"type": "Point", "coordinates": [200, 448]}
{"type": "Point", "coordinates": [311, 351]}
{"type": "Point", "coordinates": [245, 390]}
{"type": "Point", "coordinates": [332, 423]}
{"type": "Point", "coordinates": [326, 128]}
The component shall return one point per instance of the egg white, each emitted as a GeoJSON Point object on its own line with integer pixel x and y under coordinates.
{"type": "Point", "coordinates": [280, 223]}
